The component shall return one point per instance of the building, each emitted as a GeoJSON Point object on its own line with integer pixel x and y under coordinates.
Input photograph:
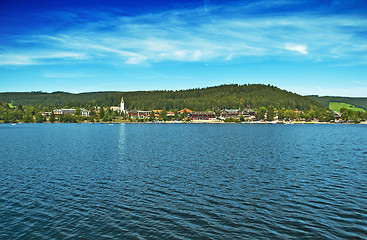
{"type": "Point", "coordinates": [156, 112]}
{"type": "Point", "coordinates": [64, 111]}
{"type": "Point", "coordinates": [84, 112]}
{"type": "Point", "coordinates": [230, 113]}
{"type": "Point", "coordinates": [115, 108]}
{"type": "Point", "coordinates": [337, 116]}
{"type": "Point", "coordinates": [121, 108]}
{"type": "Point", "coordinates": [46, 114]}
{"type": "Point", "coordinates": [202, 115]}
{"type": "Point", "coordinates": [249, 114]}
{"type": "Point", "coordinates": [57, 112]}
{"type": "Point", "coordinates": [139, 114]}
{"type": "Point", "coordinates": [122, 105]}
{"type": "Point", "coordinates": [134, 114]}
{"type": "Point", "coordinates": [183, 110]}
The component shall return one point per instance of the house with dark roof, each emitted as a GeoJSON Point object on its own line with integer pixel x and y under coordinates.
{"type": "Point", "coordinates": [249, 113]}
{"type": "Point", "coordinates": [230, 113]}
{"type": "Point", "coordinates": [209, 115]}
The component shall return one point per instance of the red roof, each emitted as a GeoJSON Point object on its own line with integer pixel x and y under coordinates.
{"type": "Point", "coordinates": [187, 110]}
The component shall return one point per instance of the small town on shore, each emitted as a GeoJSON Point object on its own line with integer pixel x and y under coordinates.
{"type": "Point", "coordinates": [119, 114]}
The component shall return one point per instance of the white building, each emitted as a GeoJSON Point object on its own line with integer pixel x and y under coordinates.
{"type": "Point", "coordinates": [84, 112]}
{"type": "Point", "coordinates": [121, 108]}
{"type": "Point", "coordinates": [64, 111]}
{"type": "Point", "coordinates": [122, 105]}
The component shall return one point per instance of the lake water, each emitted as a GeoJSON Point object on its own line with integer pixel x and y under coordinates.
{"type": "Point", "coordinates": [183, 181]}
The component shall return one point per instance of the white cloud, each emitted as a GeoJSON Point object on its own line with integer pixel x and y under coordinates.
{"type": "Point", "coordinates": [296, 47]}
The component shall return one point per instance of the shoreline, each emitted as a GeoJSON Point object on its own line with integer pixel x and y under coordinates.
{"type": "Point", "coordinates": [196, 122]}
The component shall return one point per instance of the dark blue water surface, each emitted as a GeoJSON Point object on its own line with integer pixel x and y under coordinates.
{"type": "Point", "coordinates": [183, 181]}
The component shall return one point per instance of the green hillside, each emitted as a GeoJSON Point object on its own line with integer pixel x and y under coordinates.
{"type": "Point", "coordinates": [356, 102]}
{"type": "Point", "coordinates": [336, 106]}
{"type": "Point", "coordinates": [224, 96]}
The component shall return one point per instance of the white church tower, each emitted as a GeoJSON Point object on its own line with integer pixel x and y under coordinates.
{"type": "Point", "coordinates": [122, 106]}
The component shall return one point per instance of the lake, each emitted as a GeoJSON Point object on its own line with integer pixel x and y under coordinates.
{"type": "Point", "coordinates": [183, 181]}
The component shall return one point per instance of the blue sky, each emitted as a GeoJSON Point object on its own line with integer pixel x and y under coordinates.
{"type": "Point", "coordinates": [307, 47]}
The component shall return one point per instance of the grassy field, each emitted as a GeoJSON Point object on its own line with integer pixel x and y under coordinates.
{"type": "Point", "coordinates": [359, 102]}
{"type": "Point", "coordinates": [336, 106]}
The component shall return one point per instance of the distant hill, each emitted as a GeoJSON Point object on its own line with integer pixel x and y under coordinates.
{"type": "Point", "coordinates": [224, 96]}
{"type": "Point", "coordinates": [357, 102]}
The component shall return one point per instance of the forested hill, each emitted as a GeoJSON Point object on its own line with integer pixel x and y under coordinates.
{"type": "Point", "coordinates": [224, 96]}
{"type": "Point", "coordinates": [358, 102]}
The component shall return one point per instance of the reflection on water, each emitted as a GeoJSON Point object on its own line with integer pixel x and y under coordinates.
{"type": "Point", "coordinates": [182, 181]}
{"type": "Point", "coordinates": [122, 137]}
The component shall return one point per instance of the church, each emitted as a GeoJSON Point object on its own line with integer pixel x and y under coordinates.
{"type": "Point", "coordinates": [121, 108]}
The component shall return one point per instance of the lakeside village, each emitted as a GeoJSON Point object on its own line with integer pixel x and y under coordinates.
{"type": "Point", "coordinates": [118, 114]}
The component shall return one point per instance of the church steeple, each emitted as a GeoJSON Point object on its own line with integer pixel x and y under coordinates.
{"type": "Point", "coordinates": [122, 105]}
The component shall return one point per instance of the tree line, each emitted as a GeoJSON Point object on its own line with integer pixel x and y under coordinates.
{"type": "Point", "coordinates": [201, 99]}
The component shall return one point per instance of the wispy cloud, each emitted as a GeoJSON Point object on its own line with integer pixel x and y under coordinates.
{"type": "Point", "coordinates": [216, 33]}
{"type": "Point", "coordinates": [37, 57]}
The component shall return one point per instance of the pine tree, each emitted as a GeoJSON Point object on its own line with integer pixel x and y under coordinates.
{"type": "Point", "coordinates": [52, 117]}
